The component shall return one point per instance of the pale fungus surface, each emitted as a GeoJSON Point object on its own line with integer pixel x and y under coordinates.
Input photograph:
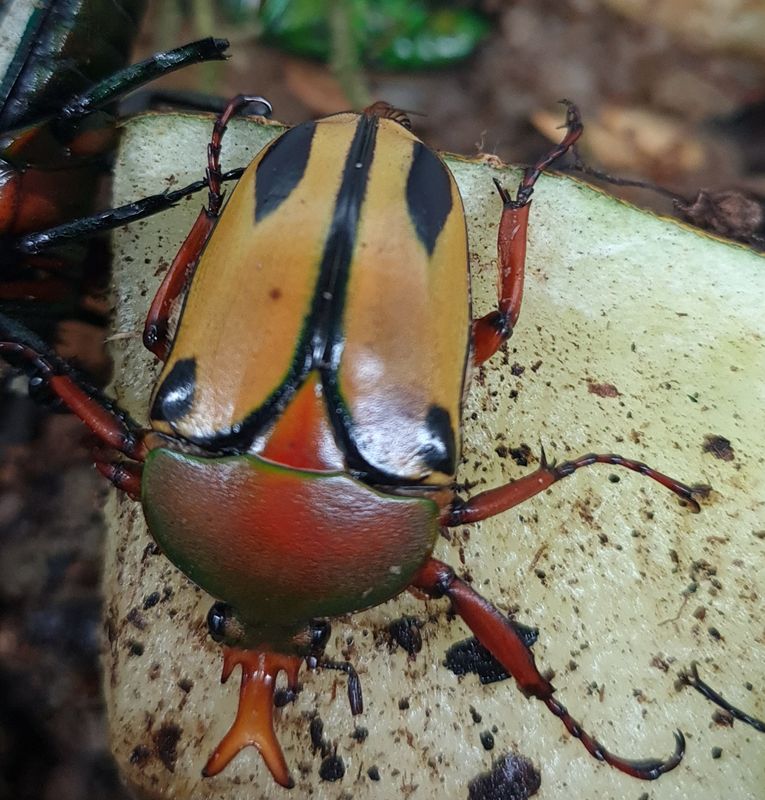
{"type": "Point", "coordinates": [637, 336]}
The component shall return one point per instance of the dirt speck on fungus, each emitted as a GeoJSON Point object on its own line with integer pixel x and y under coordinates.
{"type": "Point", "coordinates": [332, 768]}
{"type": "Point", "coordinates": [405, 632]}
{"type": "Point", "coordinates": [719, 447]}
{"type": "Point", "coordinates": [513, 777]}
{"type": "Point", "coordinates": [166, 744]}
{"type": "Point", "coordinates": [602, 389]}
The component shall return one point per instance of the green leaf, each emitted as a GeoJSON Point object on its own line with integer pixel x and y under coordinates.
{"type": "Point", "coordinates": [394, 34]}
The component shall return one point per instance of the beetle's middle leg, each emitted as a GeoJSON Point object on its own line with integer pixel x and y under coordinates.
{"type": "Point", "coordinates": [490, 332]}
{"type": "Point", "coordinates": [502, 498]}
{"type": "Point", "coordinates": [156, 337]}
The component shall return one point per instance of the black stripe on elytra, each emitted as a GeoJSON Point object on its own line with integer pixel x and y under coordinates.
{"type": "Point", "coordinates": [429, 201]}
{"type": "Point", "coordinates": [329, 339]}
{"type": "Point", "coordinates": [428, 195]}
{"type": "Point", "coordinates": [439, 451]}
{"type": "Point", "coordinates": [321, 338]}
{"type": "Point", "coordinates": [329, 300]}
{"type": "Point", "coordinates": [282, 168]}
{"type": "Point", "coordinates": [175, 396]}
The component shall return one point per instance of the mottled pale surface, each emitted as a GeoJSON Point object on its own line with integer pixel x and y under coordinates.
{"type": "Point", "coordinates": [733, 26]}
{"type": "Point", "coordinates": [614, 297]}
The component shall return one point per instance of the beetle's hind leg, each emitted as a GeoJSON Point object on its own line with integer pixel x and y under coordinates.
{"type": "Point", "coordinates": [493, 330]}
{"type": "Point", "coordinates": [504, 642]}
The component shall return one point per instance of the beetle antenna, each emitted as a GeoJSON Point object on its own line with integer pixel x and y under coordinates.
{"type": "Point", "coordinates": [355, 697]}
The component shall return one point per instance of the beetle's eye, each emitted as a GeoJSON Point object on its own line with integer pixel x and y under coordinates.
{"type": "Point", "coordinates": [320, 631]}
{"type": "Point", "coordinates": [217, 617]}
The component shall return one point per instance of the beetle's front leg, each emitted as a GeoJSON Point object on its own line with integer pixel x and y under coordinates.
{"type": "Point", "coordinates": [156, 337]}
{"type": "Point", "coordinates": [493, 330]}
{"type": "Point", "coordinates": [505, 643]}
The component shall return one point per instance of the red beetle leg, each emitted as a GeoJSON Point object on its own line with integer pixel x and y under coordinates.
{"type": "Point", "coordinates": [112, 428]}
{"type": "Point", "coordinates": [493, 330]}
{"type": "Point", "coordinates": [254, 723]}
{"type": "Point", "coordinates": [501, 639]}
{"type": "Point", "coordinates": [155, 332]}
{"type": "Point", "coordinates": [495, 501]}
{"type": "Point", "coordinates": [214, 175]}
{"type": "Point", "coordinates": [125, 476]}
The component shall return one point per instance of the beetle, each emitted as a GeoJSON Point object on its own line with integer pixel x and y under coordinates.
{"type": "Point", "coordinates": [303, 447]}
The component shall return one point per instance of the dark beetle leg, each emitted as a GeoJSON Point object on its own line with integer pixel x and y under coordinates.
{"type": "Point", "coordinates": [179, 100]}
{"type": "Point", "coordinates": [493, 330]}
{"type": "Point", "coordinates": [132, 77]}
{"type": "Point", "coordinates": [38, 242]}
{"type": "Point", "coordinates": [495, 501]}
{"type": "Point", "coordinates": [155, 332]}
{"type": "Point", "coordinates": [502, 640]}
{"type": "Point", "coordinates": [692, 679]}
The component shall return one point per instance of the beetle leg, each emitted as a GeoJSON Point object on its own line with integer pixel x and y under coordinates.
{"type": "Point", "coordinates": [691, 678]}
{"type": "Point", "coordinates": [85, 227]}
{"type": "Point", "coordinates": [214, 176]}
{"type": "Point", "coordinates": [112, 426]}
{"type": "Point", "coordinates": [133, 77]}
{"type": "Point", "coordinates": [254, 723]}
{"type": "Point", "coordinates": [493, 330]}
{"type": "Point", "coordinates": [125, 475]}
{"type": "Point", "coordinates": [155, 332]}
{"type": "Point", "coordinates": [495, 501]}
{"type": "Point", "coordinates": [503, 641]}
